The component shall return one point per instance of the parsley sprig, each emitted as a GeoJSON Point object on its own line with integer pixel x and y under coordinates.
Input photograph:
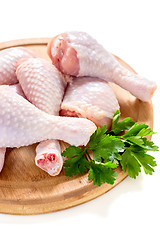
{"type": "Point", "coordinates": [125, 145]}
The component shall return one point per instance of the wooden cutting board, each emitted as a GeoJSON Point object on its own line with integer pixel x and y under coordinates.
{"type": "Point", "coordinates": [26, 189]}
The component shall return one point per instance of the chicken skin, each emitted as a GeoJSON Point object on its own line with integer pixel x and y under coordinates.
{"type": "Point", "coordinates": [22, 123]}
{"type": "Point", "coordinates": [78, 54]}
{"type": "Point", "coordinates": [90, 98]}
{"type": "Point", "coordinates": [44, 86]}
{"type": "Point", "coordinates": [8, 62]}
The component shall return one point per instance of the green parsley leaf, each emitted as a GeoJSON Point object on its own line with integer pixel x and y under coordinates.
{"type": "Point", "coordinates": [130, 164]}
{"type": "Point", "coordinates": [146, 162]}
{"type": "Point", "coordinates": [97, 137]}
{"type": "Point", "coordinates": [138, 130]}
{"type": "Point", "coordinates": [136, 135]}
{"type": "Point", "coordinates": [116, 117]}
{"type": "Point", "coordinates": [101, 173]}
{"type": "Point", "coordinates": [76, 161]}
{"type": "Point", "coordinates": [118, 127]}
{"type": "Point", "coordinates": [142, 142]}
{"type": "Point", "coordinates": [134, 158]}
{"type": "Point", "coordinates": [146, 131]}
{"type": "Point", "coordinates": [149, 145]}
{"type": "Point", "coordinates": [136, 140]}
{"type": "Point", "coordinates": [107, 148]}
{"type": "Point", "coordinates": [72, 151]}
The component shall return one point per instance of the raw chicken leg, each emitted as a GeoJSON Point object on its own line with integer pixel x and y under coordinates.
{"type": "Point", "coordinates": [90, 98]}
{"type": "Point", "coordinates": [17, 88]}
{"type": "Point", "coordinates": [78, 54]}
{"type": "Point", "coordinates": [22, 124]}
{"type": "Point", "coordinates": [8, 61]}
{"type": "Point", "coordinates": [44, 86]}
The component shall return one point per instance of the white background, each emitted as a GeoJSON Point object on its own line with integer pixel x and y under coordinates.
{"type": "Point", "coordinates": [129, 29]}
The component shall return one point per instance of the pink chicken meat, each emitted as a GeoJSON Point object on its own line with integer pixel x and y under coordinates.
{"type": "Point", "coordinates": [22, 123]}
{"type": "Point", "coordinates": [44, 86]}
{"type": "Point", "coordinates": [90, 98]}
{"type": "Point", "coordinates": [8, 62]}
{"type": "Point", "coordinates": [49, 157]}
{"type": "Point", "coordinates": [78, 54]}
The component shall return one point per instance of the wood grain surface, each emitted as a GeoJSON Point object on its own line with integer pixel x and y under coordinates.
{"type": "Point", "coordinates": [26, 189]}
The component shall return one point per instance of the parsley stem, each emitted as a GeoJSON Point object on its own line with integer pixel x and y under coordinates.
{"type": "Point", "coordinates": [88, 155]}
